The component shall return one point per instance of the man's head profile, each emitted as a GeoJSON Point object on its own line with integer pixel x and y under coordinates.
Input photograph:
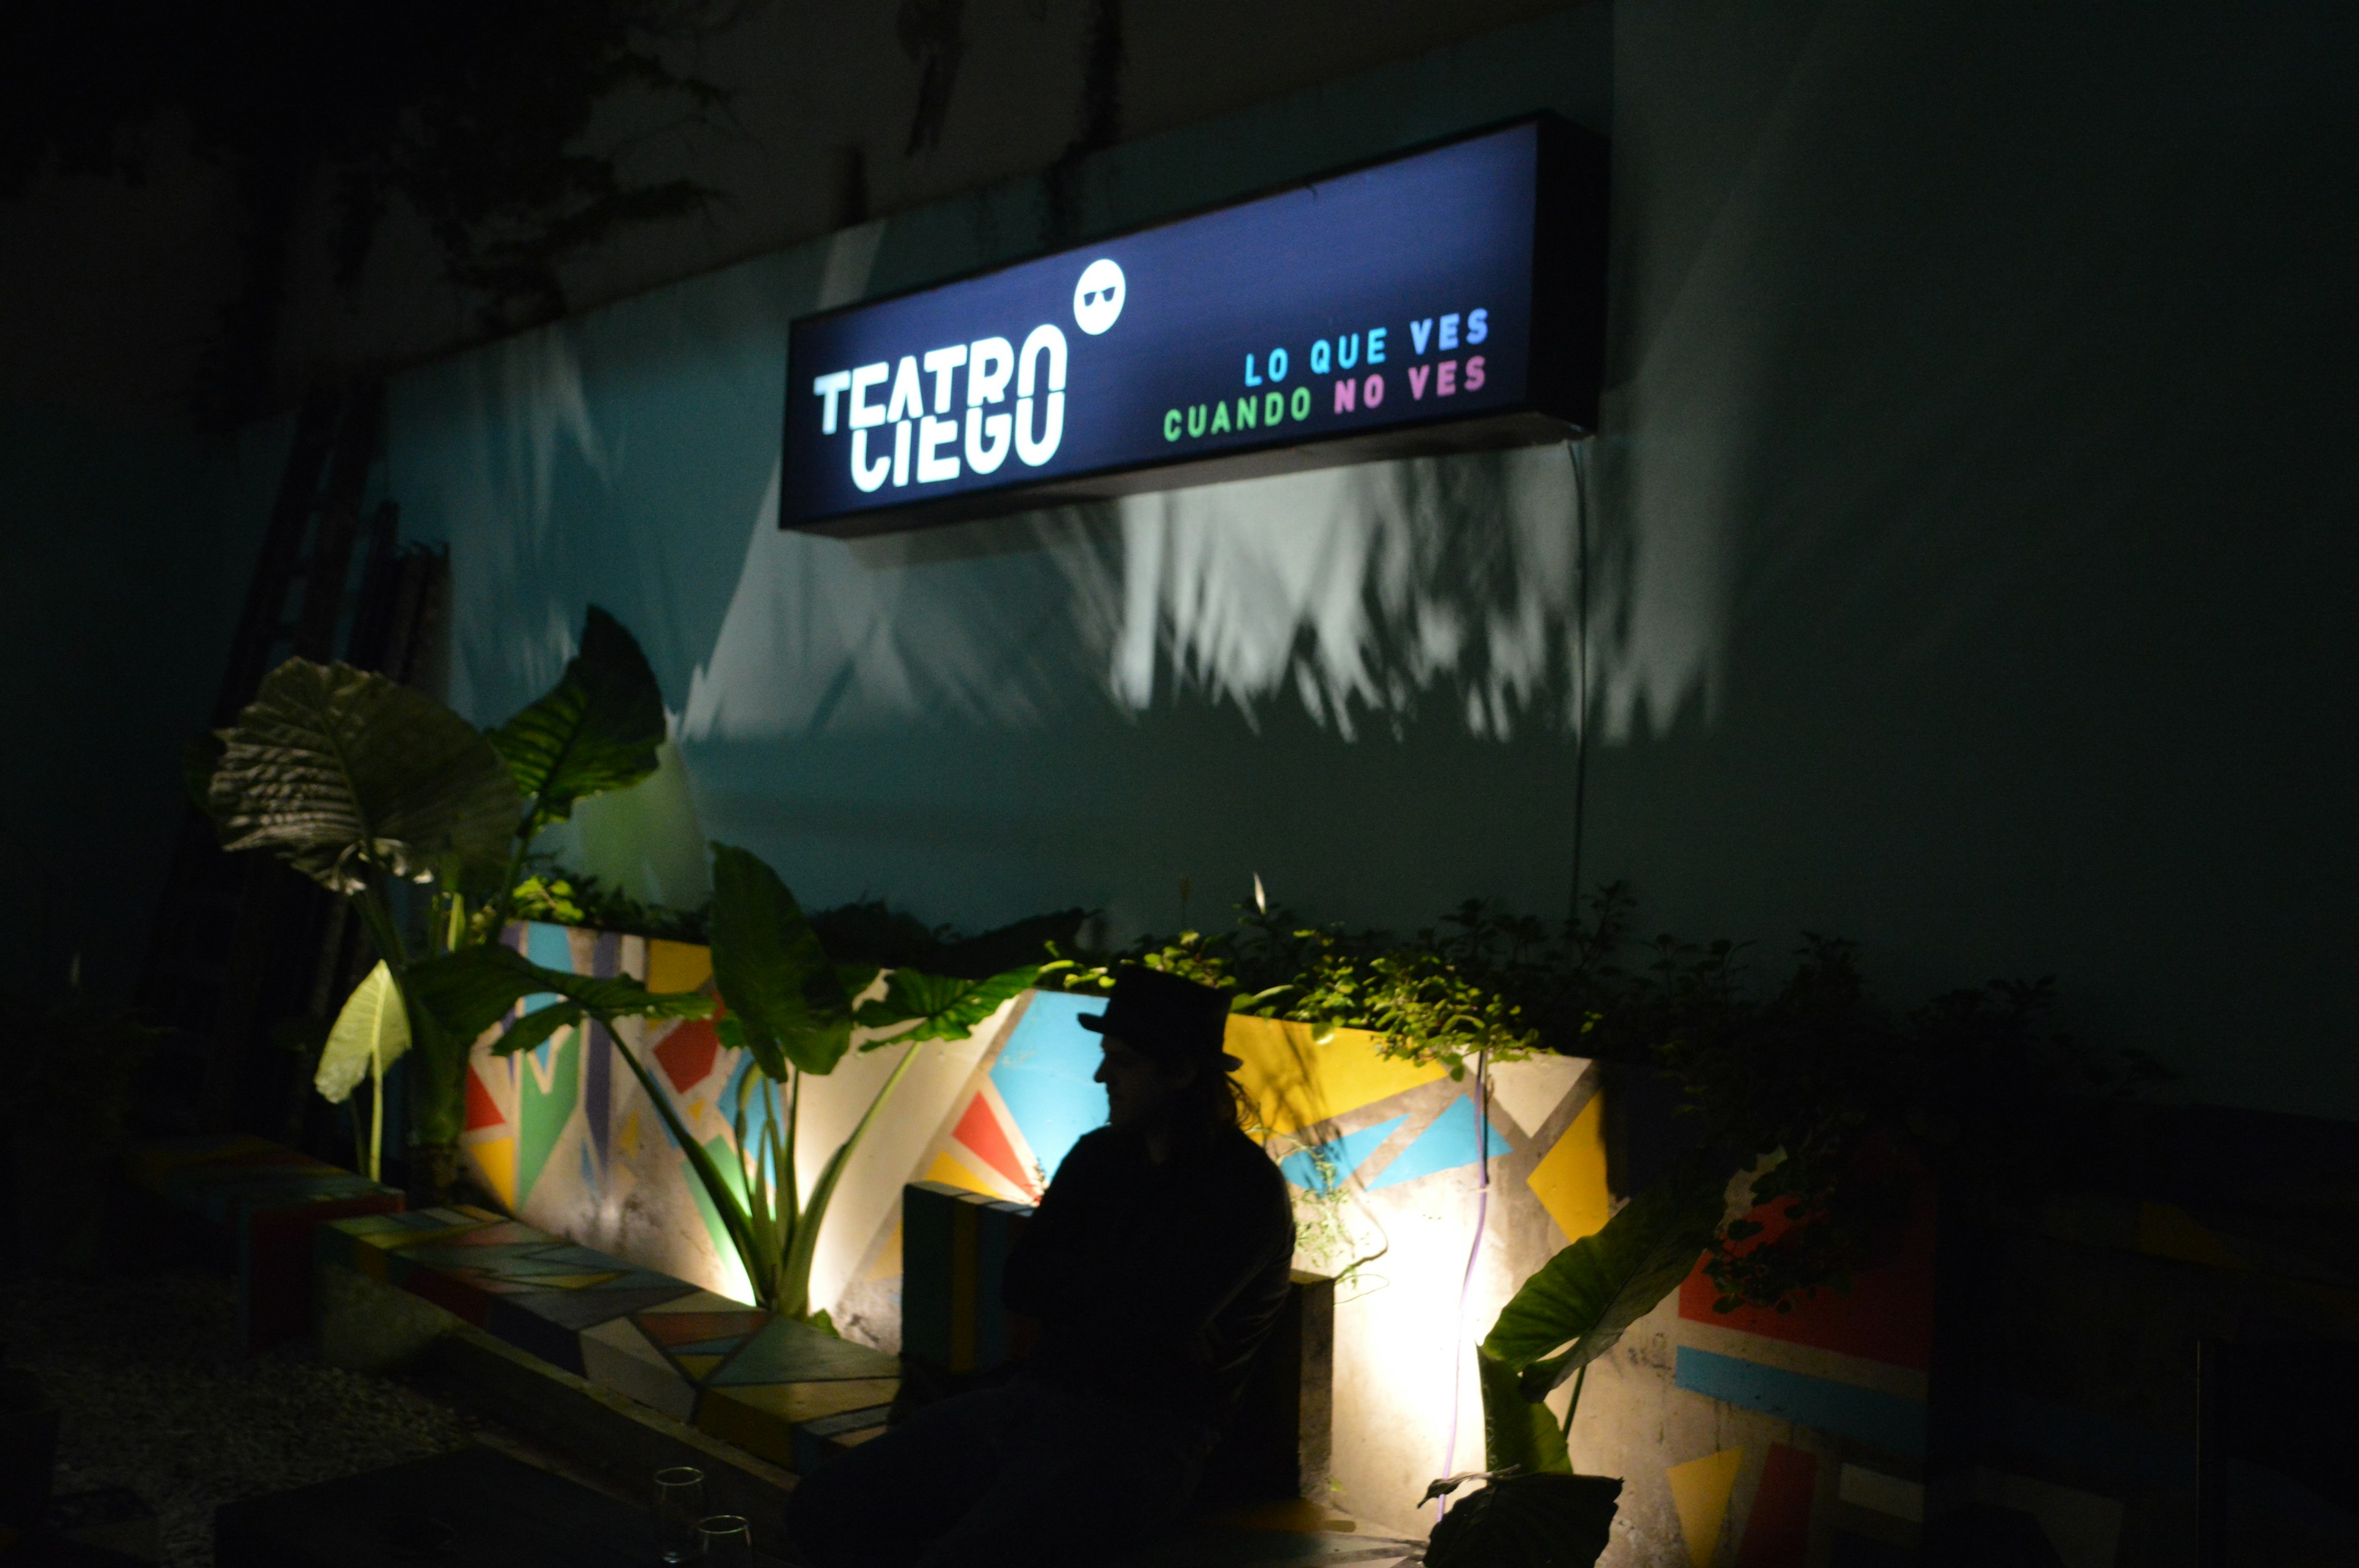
{"type": "Point", "coordinates": [1164, 1069]}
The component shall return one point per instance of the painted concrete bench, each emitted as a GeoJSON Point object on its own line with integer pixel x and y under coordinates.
{"type": "Point", "coordinates": [265, 1201]}
{"type": "Point", "coordinates": [780, 1390]}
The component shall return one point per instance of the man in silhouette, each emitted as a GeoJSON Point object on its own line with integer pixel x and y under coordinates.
{"type": "Point", "coordinates": [1149, 1276]}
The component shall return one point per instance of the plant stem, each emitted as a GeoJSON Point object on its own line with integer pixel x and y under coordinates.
{"type": "Point", "coordinates": [804, 1245]}
{"type": "Point", "coordinates": [725, 1200]}
{"type": "Point", "coordinates": [1573, 1403]}
{"type": "Point", "coordinates": [376, 1117]}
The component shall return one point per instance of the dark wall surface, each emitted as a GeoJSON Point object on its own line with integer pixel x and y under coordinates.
{"type": "Point", "coordinates": [1969, 545]}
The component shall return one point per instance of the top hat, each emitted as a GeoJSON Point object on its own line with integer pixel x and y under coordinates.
{"type": "Point", "coordinates": [1166, 1016]}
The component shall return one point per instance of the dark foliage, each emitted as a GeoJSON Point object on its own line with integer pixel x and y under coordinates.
{"type": "Point", "coordinates": [473, 115]}
{"type": "Point", "coordinates": [1846, 1101]}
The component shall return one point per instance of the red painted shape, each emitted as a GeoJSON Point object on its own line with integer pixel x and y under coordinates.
{"type": "Point", "coordinates": [670, 1328]}
{"type": "Point", "coordinates": [688, 1053]}
{"type": "Point", "coordinates": [980, 1131]}
{"type": "Point", "coordinates": [481, 1110]}
{"type": "Point", "coordinates": [1778, 1531]}
{"type": "Point", "coordinates": [1886, 1316]}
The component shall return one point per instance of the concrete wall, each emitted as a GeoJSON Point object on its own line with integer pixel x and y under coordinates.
{"type": "Point", "coordinates": [1967, 570]}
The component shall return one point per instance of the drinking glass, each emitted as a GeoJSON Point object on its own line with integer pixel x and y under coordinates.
{"type": "Point", "coordinates": [727, 1539]}
{"type": "Point", "coordinates": [679, 1504]}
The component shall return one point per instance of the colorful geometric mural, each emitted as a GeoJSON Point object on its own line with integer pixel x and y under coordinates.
{"type": "Point", "coordinates": [1390, 1160]}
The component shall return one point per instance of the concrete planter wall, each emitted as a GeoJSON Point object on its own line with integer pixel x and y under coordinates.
{"type": "Point", "coordinates": [1383, 1158]}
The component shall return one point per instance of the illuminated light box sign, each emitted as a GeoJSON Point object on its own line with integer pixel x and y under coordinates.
{"type": "Point", "coordinates": [1450, 300]}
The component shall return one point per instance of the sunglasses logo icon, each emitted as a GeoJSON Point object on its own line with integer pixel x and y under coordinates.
{"type": "Point", "coordinates": [1098, 296]}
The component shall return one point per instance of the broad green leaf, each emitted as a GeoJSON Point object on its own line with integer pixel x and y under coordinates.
{"type": "Point", "coordinates": [597, 729]}
{"type": "Point", "coordinates": [769, 967]}
{"type": "Point", "coordinates": [536, 1026]}
{"type": "Point", "coordinates": [372, 1028]}
{"type": "Point", "coordinates": [1590, 1293]}
{"type": "Point", "coordinates": [945, 1008]}
{"type": "Point", "coordinates": [469, 990]}
{"type": "Point", "coordinates": [1528, 1521]}
{"type": "Point", "coordinates": [1516, 1431]}
{"type": "Point", "coordinates": [766, 1055]}
{"type": "Point", "coordinates": [330, 766]}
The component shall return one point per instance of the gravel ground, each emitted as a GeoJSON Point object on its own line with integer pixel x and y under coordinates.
{"type": "Point", "coordinates": [155, 1397]}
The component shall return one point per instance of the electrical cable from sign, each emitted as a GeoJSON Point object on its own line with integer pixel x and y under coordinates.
{"type": "Point", "coordinates": [1573, 453]}
{"type": "Point", "coordinates": [1576, 452]}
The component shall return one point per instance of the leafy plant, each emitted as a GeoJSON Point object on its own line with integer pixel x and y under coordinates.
{"type": "Point", "coordinates": [1522, 1520]}
{"type": "Point", "coordinates": [560, 897]}
{"type": "Point", "coordinates": [1822, 1107]}
{"type": "Point", "coordinates": [795, 1010]}
{"type": "Point", "coordinates": [484, 122]}
{"type": "Point", "coordinates": [366, 786]}
{"type": "Point", "coordinates": [1830, 1107]}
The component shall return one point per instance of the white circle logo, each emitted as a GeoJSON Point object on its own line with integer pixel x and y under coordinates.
{"type": "Point", "coordinates": [1097, 298]}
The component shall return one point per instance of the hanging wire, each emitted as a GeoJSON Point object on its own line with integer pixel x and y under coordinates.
{"type": "Point", "coordinates": [1578, 452]}
{"type": "Point", "coordinates": [1473, 1254]}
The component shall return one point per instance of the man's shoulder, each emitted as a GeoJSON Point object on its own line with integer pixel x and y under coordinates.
{"type": "Point", "coordinates": [1241, 1160]}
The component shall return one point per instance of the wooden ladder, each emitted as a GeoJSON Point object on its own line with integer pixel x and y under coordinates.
{"type": "Point", "coordinates": [240, 941]}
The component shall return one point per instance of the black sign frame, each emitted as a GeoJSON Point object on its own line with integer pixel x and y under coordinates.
{"type": "Point", "coordinates": [1564, 375]}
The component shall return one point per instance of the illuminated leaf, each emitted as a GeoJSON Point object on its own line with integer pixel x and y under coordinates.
{"type": "Point", "coordinates": [597, 729]}
{"type": "Point", "coordinates": [535, 1027]}
{"type": "Point", "coordinates": [330, 767]}
{"type": "Point", "coordinates": [945, 1008]}
{"type": "Point", "coordinates": [469, 990]}
{"type": "Point", "coordinates": [1590, 1293]}
{"type": "Point", "coordinates": [1517, 1432]}
{"type": "Point", "coordinates": [372, 1031]}
{"type": "Point", "coordinates": [770, 969]}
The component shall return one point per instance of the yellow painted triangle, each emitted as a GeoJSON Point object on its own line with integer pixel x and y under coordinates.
{"type": "Point", "coordinates": [1569, 1181]}
{"type": "Point", "coordinates": [678, 966]}
{"type": "Point", "coordinates": [699, 1367]}
{"type": "Point", "coordinates": [1295, 1082]}
{"type": "Point", "coordinates": [950, 1169]}
{"type": "Point", "coordinates": [1700, 1490]}
{"type": "Point", "coordinates": [495, 1160]}
{"type": "Point", "coordinates": [888, 1257]}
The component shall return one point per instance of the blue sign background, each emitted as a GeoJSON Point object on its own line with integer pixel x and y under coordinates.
{"type": "Point", "coordinates": [1408, 250]}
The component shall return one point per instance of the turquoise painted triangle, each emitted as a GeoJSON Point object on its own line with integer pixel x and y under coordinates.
{"type": "Point", "coordinates": [1447, 1143]}
{"type": "Point", "coordinates": [1322, 1168]}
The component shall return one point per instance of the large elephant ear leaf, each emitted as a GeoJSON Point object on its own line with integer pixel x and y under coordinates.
{"type": "Point", "coordinates": [1517, 1432]}
{"type": "Point", "coordinates": [330, 766]}
{"type": "Point", "coordinates": [597, 729]}
{"type": "Point", "coordinates": [770, 969]}
{"type": "Point", "coordinates": [945, 1008]}
{"type": "Point", "coordinates": [471, 989]}
{"type": "Point", "coordinates": [1588, 1295]}
{"type": "Point", "coordinates": [1528, 1521]}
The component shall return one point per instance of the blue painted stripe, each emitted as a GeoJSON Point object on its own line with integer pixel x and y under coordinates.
{"type": "Point", "coordinates": [1886, 1421]}
{"type": "Point", "coordinates": [1322, 1168]}
{"type": "Point", "coordinates": [1448, 1142]}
